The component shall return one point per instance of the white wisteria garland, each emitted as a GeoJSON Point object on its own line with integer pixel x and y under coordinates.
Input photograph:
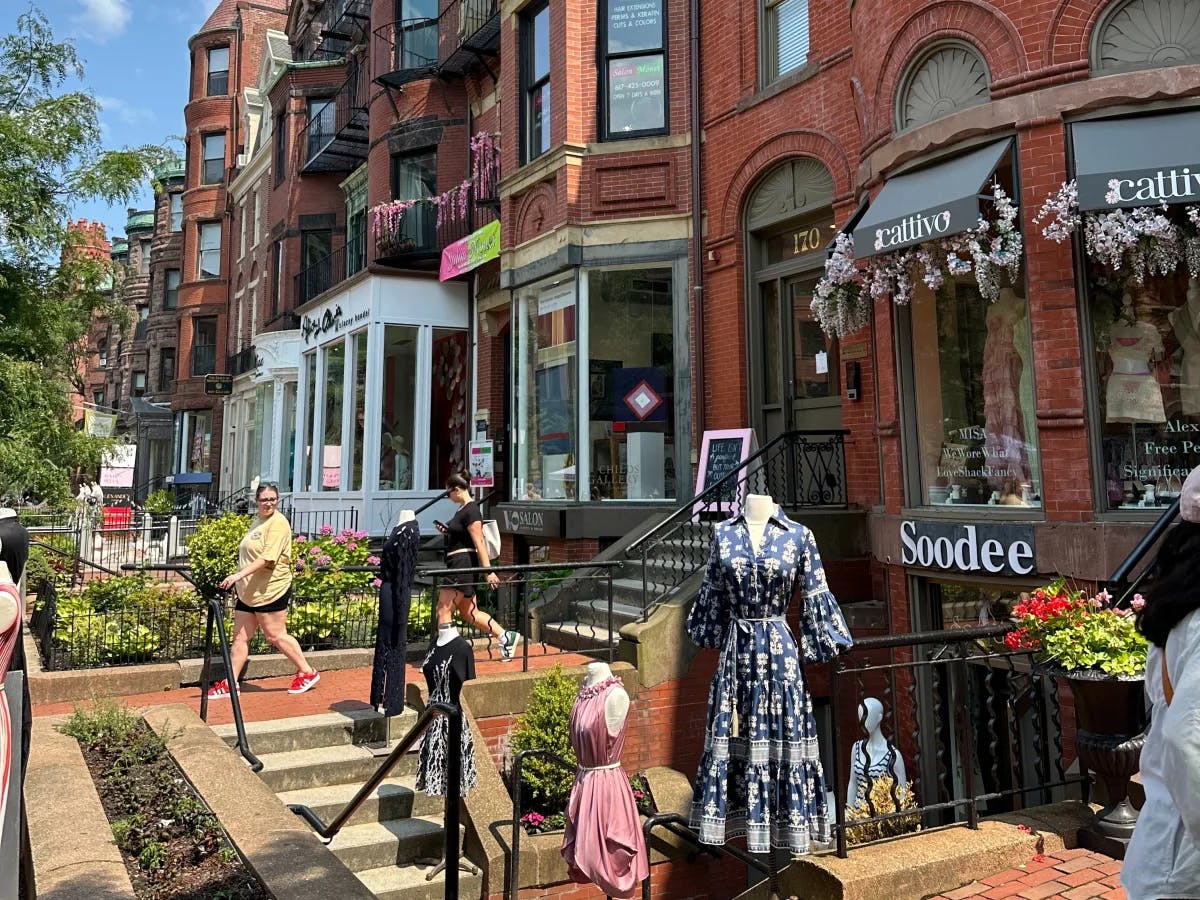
{"type": "Point", "coordinates": [842, 299]}
{"type": "Point", "coordinates": [1141, 241]}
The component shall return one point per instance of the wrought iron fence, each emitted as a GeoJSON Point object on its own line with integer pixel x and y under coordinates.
{"type": "Point", "coordinates": [327, 272]}
{"type": "Point", "coordinates": [799, 469]}
{"type": "Point", "coordinates": [245, 360]}
{"type": "Point", "coordinates": [974, 729]}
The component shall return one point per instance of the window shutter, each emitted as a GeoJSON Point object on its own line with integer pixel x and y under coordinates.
{"type": "Point", "coordinates": [792, 22]}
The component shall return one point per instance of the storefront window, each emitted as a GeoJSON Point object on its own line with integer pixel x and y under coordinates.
{"type": "Point", "coordinates": [973, 383]}
{"type": "Point", "coordinates": [546, 378]}
{"type": "Point", "coordinates": [331, 450]}
{"type": "Point", "coordinates": [448, 405]}
{"type": "Point", "coordinates": [287, 443]}
{"type": "Point", "coordinates": [199, 440]}
{"type": "Point", "coordinates": [310, 410]}
{"type": "Point", "coordinates": [1146, 341]}
{"type": "Point", "coordinates": [263, 409]}
{"type": "Point", "coordinates": [631, 377]}
{"type": "Point", "coordinates": [252, 440]}
{"type": "Point", "coordinates": [360, 398]}
{"type": "Point", "coordinates": [397, 422]}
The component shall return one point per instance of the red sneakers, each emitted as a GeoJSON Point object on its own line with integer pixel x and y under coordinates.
{"type": "Point", "coordinates": [304, 681]}
{"type": "Point", "coordinates": [219, 690]}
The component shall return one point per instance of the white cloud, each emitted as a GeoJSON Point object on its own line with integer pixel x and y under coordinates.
{"type": "Point", "coordinates": [124, 112]}
{"type": "Point", "coordinates": [103, 19]}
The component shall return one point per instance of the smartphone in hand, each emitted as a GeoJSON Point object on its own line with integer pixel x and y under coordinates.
{"type": "Point", "coordinates": [440, 526]}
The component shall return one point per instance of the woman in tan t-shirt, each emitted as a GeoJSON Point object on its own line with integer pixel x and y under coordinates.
{"type": "Point", "coordinates": [265, 573]}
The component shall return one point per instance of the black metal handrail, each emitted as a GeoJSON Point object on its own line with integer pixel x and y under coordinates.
{"type": "Point", "coordinates": [679, 827]}
{"type": "Point", "coordinates": [216, 621]}
{"type": "Point", "coordinates": [514, 870]}
{"type": "Point", "coordinates": [1119, 581]}
{"type": "Point", "coordinates": [453, 787]}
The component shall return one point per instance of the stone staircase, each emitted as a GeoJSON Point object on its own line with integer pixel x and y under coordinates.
{"type": "Point", "coordinates": [579, 619]}
{"type": "Point", "coordinates": [321, 761]}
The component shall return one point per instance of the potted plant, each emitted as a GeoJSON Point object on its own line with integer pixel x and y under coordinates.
{"type": "Point", "coordinates": [1096, 648]}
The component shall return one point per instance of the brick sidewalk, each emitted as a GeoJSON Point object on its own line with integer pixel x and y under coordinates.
{"type": "Point", "coordinates": [338, 691]}
{"type": "Point", "coordinates": [1068, 874]}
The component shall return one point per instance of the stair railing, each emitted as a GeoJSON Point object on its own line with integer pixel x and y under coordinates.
{"type": "Point", "coordinates": [801, 468]}
{"type": "Point", "coordinates": [432, 712]}
{"type": "Point", "coordinates": [514, 869]}
{"type": "Point", "coordinates": [1119, 580]}
{"type": "Point", "coordinates": [215, 623]}
{"type": "Point", "coordinates": [678, 826]}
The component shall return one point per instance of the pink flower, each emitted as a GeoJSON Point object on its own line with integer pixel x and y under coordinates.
{"type": "Point", "coordinates": [301, 538]}
{"type": "Point", "coordinates": [1138, 601]}
{"type": "Point", "coordinates": [340, 539]}
{"type": "Point", "coordinates": [352, 546]}
{"type": "Point", "coordinates": [1104, 597]}
{"type": "Point", "coordinates": [300, 563]}
{"type": "Point", "coordinates": [326, 529]}
{"type": "Point", "coordinates": [372, 560]}
{"type": "Point", "coordinates": [314, 550]}
{"type": "Point", "coordinates": [324, 559]}
{"type": "Point", "coordinates": [359, 535]}
{"type": "Point", "coordinates": [375, 582]}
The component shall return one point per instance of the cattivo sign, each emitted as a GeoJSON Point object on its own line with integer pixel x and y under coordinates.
{"type": "Point", "coordinates": [981, 549]}
{"type": "Point", "coordinates": [912, 230]}
{"type": "Point", "coordinates": [1176, 185]}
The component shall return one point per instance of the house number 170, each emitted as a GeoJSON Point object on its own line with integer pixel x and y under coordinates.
{"type": "Point", "coordinates": [805, 241]}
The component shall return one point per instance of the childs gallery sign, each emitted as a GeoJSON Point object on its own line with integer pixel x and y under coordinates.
{"type": "Point", "coordinates": [992, 549]}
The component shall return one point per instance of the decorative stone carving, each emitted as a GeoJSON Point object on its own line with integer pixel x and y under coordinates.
{"type": "Point", "coordinates": [535, 212]}
{"type": "Point", "coordinates": [796, 186]}
{"type": "Point", "coordinates": [1143, 34]}
{"type": "Point", "coordinates": [946, 79]}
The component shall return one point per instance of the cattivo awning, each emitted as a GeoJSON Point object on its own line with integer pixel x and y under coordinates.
{"type": "Point", "coordinates": [931, 203]}
{"type": "Point", "coordinates": [1140, 161]}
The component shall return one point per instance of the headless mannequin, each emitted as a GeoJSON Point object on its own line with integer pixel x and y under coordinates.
{"type": "Point", "coordinates": [616, 703]}
{"type": "Point", "coordinates": [759, 508]}
{"type": "Point", "coordinates": [877, 746]}
{"type": "Point", "coordinates": [406, 515]}
{"type": "Point", "coordinates": [446, 633]}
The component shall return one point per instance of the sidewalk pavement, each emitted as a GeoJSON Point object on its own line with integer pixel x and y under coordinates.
{"type": "Point", "coordinates": [1068, 874]}
{"type": "Point", "coordinates": [338, 691]}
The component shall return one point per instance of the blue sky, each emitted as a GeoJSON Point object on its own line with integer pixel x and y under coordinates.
{"type": "Point", "coordinates": [135, 60]}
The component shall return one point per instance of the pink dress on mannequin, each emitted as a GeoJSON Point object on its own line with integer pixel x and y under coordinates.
{"type": "Point", "coordinates": [603, 843]}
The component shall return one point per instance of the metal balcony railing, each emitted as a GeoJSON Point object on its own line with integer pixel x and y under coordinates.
{"type": "Point", "coordinates": [418, 239]}
{"type": "Point", "coordinates": [335, 140]}
{"type": "Point", "coordinates": [245, 360]}
{"type": "Point", "coordinates": [204, 359]}
{"type": "Point", "coordinates": [341, 26]}
{"type": "Point", "coordinates": [329, 271]}
{"type": "Point", "coordinates": [405, 51]}
{"type": "Point", "coordinates": [472, 30]}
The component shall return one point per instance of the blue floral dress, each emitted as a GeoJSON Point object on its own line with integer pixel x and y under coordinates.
{"type": "Point", "coordinates": [760, 774]}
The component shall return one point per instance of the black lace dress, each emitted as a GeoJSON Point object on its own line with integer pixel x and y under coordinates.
{"type": "Point", "coordinates": [397, 563]}
{"type": "Point", "coordinates": [446, 667]}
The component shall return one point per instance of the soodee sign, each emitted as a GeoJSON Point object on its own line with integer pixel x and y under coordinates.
{"type": "Point", "coordinates": [983, 549]}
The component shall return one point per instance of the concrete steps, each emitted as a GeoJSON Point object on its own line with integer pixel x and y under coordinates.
{"type": "Point", "coordinates": [322, 761]}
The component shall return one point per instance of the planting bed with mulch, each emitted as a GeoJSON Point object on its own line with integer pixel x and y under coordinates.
{"type": "Point", "coordinates": [173, 846]}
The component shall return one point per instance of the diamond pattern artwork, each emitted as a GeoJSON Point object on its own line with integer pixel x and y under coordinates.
{"type": "Point", "coordinates": [643, 400]}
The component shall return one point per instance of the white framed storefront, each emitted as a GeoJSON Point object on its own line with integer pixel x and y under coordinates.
{"type": "Point", "coordinates": [382, 399]}
{"type": "Point", "coordinates": [260, 416]}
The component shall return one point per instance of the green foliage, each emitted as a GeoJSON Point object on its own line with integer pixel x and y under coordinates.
{"type": "Point", "coordinates": [319, 560]}
{"type": "Point", "coordinates": [322, 622]}
{"type": "Point", "coordinates": [106, 724]}
{"type": "Point", "coordinates": [420, 615]}
{"type": "Point", "coordinates": [545, 725]}
{"type": "Point", "coordinates": [153, 856]}
{"type": "Point", "coordinates": [213, 551]}
{"type": "Point", "coordinates": [38, 568]}
{"type": "Point", "coordinates": [159, 503]}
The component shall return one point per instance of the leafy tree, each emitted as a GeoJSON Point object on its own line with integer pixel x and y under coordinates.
{"type": "Point", "coordinates": [50, 159]}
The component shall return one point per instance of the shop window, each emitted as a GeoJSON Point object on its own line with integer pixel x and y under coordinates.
{"type": "Point", "coordinates": [218, 72]}
{"type": "Point", "coordinates": [448, 405]}
{"type": "Point", "coordinates": [398, 413]}
{"type": "Point", "coordinates": [204, 346]}
{"type": "Point", "coordinates": [631, 376]}
{"type": "Point", "coordinates": [358, 354]}
{"type": "Point", "coordinates": [176, 212]}
{"type": "Point", "coordinates": [974, 395]}
{"type": "Point", "coordinates": [333, 377]}
{"type": "Point", "coordinates": [785, 37]}
{"type": "Point", "coordinates": [166, 368]}
{"type": "Point", "coordinates": [310, 413]}
{"type": "Point", "coordinates": [171, 289]}
{"type": "Point", "coordinates": [213, 163]}
{"type": "Point", "coordinates": [198, 440]}
{"type": "Point", "coordinates": [546, 373]}
{"type": "Point", "coordinates": [260, 449]}
{"type": "Point", "coordinates": [414, 177]}
{"type": "Point", "coordinates": [535, 83]}
{"type": "Point", "coordinates": [942, 80]}
{"type": "Point", "coordinates": [635, 87]}
{"type": "Point", "coordinates": [1146, 359]}
{"type": "Point", "coordinates": [287, 431]}
{"type": "Point", "coordinates": [1145, 34]}
{"type": "Point", "coordinates": [209, 258]}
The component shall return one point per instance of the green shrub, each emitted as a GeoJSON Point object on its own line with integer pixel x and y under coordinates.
{"type": "Point", "coordinates": [106, 724]}
{"type": "Point", "coordinates": [38, 569]}
{"type": "Point", "coordinates": [160, 503]}
{"type": "Point", "coordinates": [420, 615]}
{"type": "Point", "coordinates": [213, 551]}
{"type": "Point", "coordinates": [153, 857]}
{"type": "Point", "coordinates": [545, 725]}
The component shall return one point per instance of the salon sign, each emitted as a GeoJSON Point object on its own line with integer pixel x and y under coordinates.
{"type": "Point", "coordinates": [992, 549]}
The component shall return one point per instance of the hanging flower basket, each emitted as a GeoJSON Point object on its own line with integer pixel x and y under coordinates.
{"type": "Point", "coordinates": [842, 298]}
{"type": "Point", "coordinates": [1142, 241]}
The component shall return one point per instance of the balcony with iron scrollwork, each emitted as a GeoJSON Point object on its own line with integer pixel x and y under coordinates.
{"type": "Point", "coordinates": [405, 51]}
{"type": "Point", "coordinates": [472, 28]}
{"type": "Point", "coordinates": [335, 140]}
{"type": "Point", "coordinates": [417, 239]}
{"type": "Point", "coordinates": [245, 360]}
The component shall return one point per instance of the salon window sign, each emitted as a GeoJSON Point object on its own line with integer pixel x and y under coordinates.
{"type": "Point", "coordinates": [992, 549]}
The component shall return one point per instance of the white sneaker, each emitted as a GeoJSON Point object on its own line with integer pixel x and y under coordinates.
{"type": "Point", "coordinates": [508, 644]}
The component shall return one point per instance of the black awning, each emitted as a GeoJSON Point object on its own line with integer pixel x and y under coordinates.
{"type": "Point", "coordinates": [1152, 159]}
{"type": "Point", "coordinates": [931, 203]}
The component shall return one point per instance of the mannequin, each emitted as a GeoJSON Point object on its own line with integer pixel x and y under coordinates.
{"type": "Point", "coordinates": [759, 508]}
{"type": "Point", "coordinates": [446, 634]}
{"type": "Point", "coordinates": [616, 704]}
{"type": "Point", "coordinates": [603, 842]}
{"type": "Point", "coordinates": [1133, 393]}
{"type": "Point", "coordinates": [397, 564]}
{"type": "Point", "coordinates": [1185, 320]}
{"type": "Point", "coordinates": [884, 758]}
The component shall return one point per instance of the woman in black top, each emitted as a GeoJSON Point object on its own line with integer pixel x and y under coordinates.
{"type": "Point", "coordinates": [465, 550]}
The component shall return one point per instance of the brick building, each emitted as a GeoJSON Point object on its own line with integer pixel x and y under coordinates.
{"type": "Point", "coordinates": [93, 367]}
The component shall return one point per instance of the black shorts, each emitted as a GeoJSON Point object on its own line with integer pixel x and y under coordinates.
{"type": "Point", "coordinates": [464, 584]}
{"type": "Point", "coordinates": [275, 606]}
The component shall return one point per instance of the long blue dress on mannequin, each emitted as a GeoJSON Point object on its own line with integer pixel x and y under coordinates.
{"type": "Point", "coordinates": [397, 563]}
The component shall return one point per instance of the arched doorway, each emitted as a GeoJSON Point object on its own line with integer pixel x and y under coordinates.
{"type": "Point", "coordinates": [793, 367]}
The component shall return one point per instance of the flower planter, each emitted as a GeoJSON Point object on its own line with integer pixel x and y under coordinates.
{"type": "Point", "coordinates": [1110, 723]}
